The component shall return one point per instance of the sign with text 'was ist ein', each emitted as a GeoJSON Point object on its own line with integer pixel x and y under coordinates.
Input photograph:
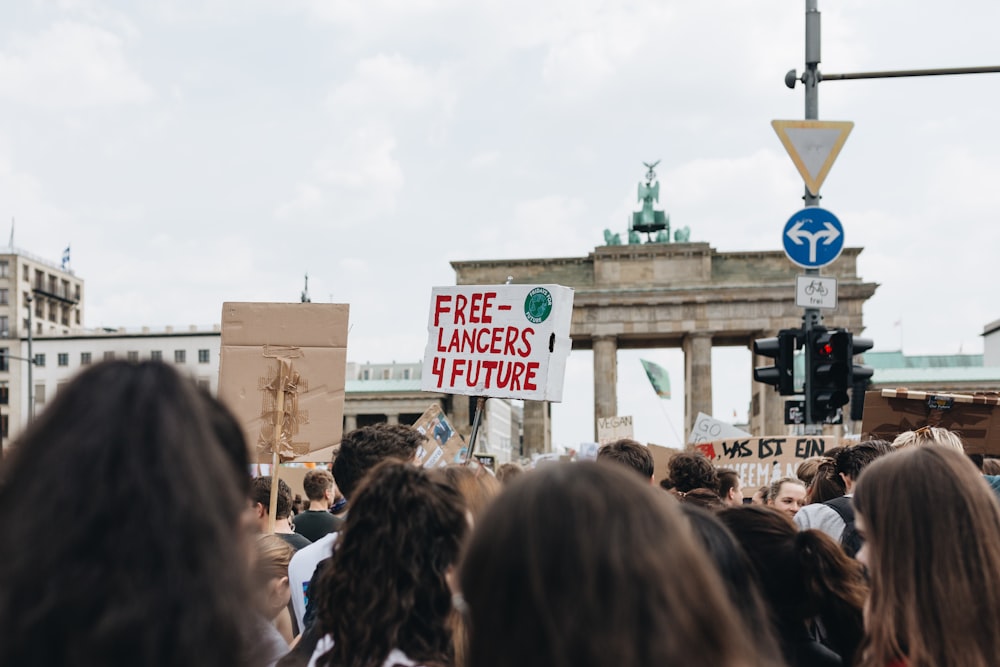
{"type": "Point", "coordinates": [813, 146]}
{"type": "Point", "coordinates": [499, 341]}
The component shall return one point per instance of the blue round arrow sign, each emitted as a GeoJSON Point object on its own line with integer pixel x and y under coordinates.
{"type": "Point", "coordinates": [813, 237]}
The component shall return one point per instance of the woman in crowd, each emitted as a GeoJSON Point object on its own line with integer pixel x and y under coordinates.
{"type": "Point", "coordinates": [585, 565]}
{"type": "Point", "coordinates": [787, 494]}
{"type": "Point", "coordinates": [932, 547]}
{"type": "Point", "coordinates": [124, 542]}
{"type": "Point", "coordinates": [270, 580]}
{"type": "Point", "coordinates": [811, 587]}
{"type": "Point", "coordinates": [385, 599]}
{"type": "Point", "coordinates": [477, 486]}
{"type": "Point", "coordinates": [929, 435]}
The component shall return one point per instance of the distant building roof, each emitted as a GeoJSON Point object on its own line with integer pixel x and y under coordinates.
{"type": "Point", "coordinates": [380, 386]}
{"type": "Point", "coordinates": [904, 376]}
{"type": "Point", "coordinates": [991, 327]}
{"type": "Point", "coordinates": [887, 360]}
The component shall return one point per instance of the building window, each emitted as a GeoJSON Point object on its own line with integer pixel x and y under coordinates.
{"type": "Point", "coordinates": [4, 269]}
{"type": "Point", "coordinates": [39, 394]}
{"type": "Point", "coordinates": [4, 326]}
{"type": "Point", "coordinates": [180, 356]}
{"type": "Point", "coordinates": [40, 360]}
{"type": "Point", "coordinates": [156, 355]}
{"type": "Point", "coordinates": [406, 373]}
{"type": "Point", "coordinates": [202, 356]}
{"type": "Point", "coordinates": [77, 292]}
{"type": "Point", "coordinates": [132, 356]}
{"type": "Point", "coordinates": [4, 393]}
{"type": "Point", "coordinates": [4, 296]}
{"type": "Point", "coordinates": [85, 358]}
{"type": "Point", "coordinates": [4, 361]}
{"type": "Point", "coordinates": [39, 308]}
{"type": "Point", "coordinates": [4, 422]}
{"type": "Point", "coordinates": [78, 316]}
{"type": "Point", "coordinates": [386, 374]}
{"type": "Point", "coordinates": [64, 315]}
{"type": "Point", "coordinates": [366, 374]}
{"type": "Point", "coordinates": [27, 272]}
{"type": "Point", "coordinates": [63, 359]}
{"type": "Point", "coordinates": [109, 356]}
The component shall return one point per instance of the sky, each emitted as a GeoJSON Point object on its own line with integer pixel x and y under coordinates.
{"type": "Point", "coordinates": [193, 152]}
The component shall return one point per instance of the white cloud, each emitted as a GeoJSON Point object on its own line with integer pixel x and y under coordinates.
{"type": "Point", "coordinates": [388, 85]}
{"type": "Point", "coordinates": [70, 66]}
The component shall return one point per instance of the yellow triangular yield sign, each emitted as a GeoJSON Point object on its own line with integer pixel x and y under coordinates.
{"type": "Point", "coordinates": [813, 145]}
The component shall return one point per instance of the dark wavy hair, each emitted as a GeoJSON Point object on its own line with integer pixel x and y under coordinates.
{"type": "Point", "coordinates": [692, 470]}
{"type": "Point", "coordinates": [629, 453]}
{"type": "Point", "coordinates": [386, 586]}
{"type": "Point", "coordinates": [363, 448]}
{"type": "Point", "coordinates": [138, 554]}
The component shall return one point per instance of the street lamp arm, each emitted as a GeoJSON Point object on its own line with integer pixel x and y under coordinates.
{"type": "Point", "coordinates": [791, 77]}
{"type": "Point", "coordinates": [33, 362]}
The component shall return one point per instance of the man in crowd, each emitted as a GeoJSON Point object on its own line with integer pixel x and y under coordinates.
{"type": "Point", "coordinates": [316, 521]}
{"type": "Point", "coordinates": [260, 495]}
{"type": "Point", "coordinates": [730, 489]}
{"type": "Point", "coordinates": [629, 453]}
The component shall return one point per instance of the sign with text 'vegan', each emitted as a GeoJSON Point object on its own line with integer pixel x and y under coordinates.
{"type": "Point", "coordinates": [500, 341]}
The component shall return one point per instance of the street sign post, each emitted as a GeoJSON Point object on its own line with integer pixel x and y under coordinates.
{"type": "Point", "coordinates": [815, 292]}
{"type": "Point", "coordinates": [813, 237]}
{"type": "Point", "coordinates": [813, 146]}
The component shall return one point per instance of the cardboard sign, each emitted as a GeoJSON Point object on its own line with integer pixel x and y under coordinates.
{"type": "Point", "coordinates": [661, 460]}
{"type": "Point", "coordinates": [707, 429]}
{"type": "Point", "coordinates": [760, 461]}
{"type": "Point", "coordinates": [444, 444]}
{"type": "Point", "coordinates": [503, 341]}
{"type": "Point", "coordinates": [610, 429]}
{"type": "Point", "coordinates": [975, 418]}
{"type": "Point", "coordinates": [281, 372]}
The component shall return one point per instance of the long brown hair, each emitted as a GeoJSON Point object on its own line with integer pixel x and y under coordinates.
{"type": "Point", "coordinates": [932, 530]}
{"type": "Point", "coordinates": [386, 587]}
{"type": "Point", "coordinates": [584, 565]}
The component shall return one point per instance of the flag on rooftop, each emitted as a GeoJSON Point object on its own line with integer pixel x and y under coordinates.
{"type": "Point", "coordinates": [65, 258]}
{"type": "Point", "coordinates": [658, 377]}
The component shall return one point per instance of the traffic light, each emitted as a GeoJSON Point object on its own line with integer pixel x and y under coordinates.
{"type": "Point", "coordinates": [830, 372]}
{"type": "Point", "coordinates": [782, 349]}
{"type": "Point", "coordinates": [860, 377]}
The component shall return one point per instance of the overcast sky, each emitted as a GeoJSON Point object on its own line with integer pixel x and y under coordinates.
{"type": "Point", "coordinates": [199, 151]}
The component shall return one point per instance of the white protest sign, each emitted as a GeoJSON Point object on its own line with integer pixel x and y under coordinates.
{"type": "Point", "coordinates": [501, 341]}
{"type": "Point", "coordinates": [708, 428]}
{"type": "Point", "coordinates": [610, 429]}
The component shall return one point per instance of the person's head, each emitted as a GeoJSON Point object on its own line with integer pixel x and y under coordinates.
{"type": "Point", "coordinates": [603, 570]}
{"type": "Point", "coordinates": [629, 453]}
{"type": "Point", "coordinates": [260, 496]}
{"type": "Point", "coordinates": [803, 574]}
{"type": "Point", "coordinates": [270, 574]}
{"type": "Point", "coordinates": [929, 435]}
{"type": "Point", "coordinates": [703, 498]}
{"type": "Point", "coordinates": [991, 466]}
{"type": "Point", "coordinates": [476, 485]}
{"type": "Point", "coordinates": [138, 554]}
{"type": "Point", "coordinates": [759, 496]}
{"type": "Point", "coordinates": [787, 494]}
{"type": "Point", "coordinates": [507, 472]}
{"type": "Point", "coordinates": [730, 488]}
{"type": "Point", "coordinates": [851, 460]}
{"type": "Point", "coordinates": [692, 470]}
{"type": "Point", "coordinates": [807, 469]}
{"type": "Point", "coordinates": [387, 585]}
{"type": "Point", "coordinates": [318, 485]}
{"type": "Point", "coordinates": [826, 484]}
{"type": "Point", "coordinates": [363, 448]}
{"type": "Point", "coordinates": [737, 576]}
{"type": "Point", "coordinates": [932, 546]}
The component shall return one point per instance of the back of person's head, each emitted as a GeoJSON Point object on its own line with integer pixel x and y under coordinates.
{"type": "Point", "coordinates": [316, 483]}
{"type": "Point", "coordinates": [387, 587]}
{"type": "Point", "coordinates": [363, 448]}
{"type": "Point", "coordinates": [704, 498]}
{"type": "Point", "coordinates": [991, 466]}
{"type": "Point", "coordinates": [807, 469]}
{"type": "Point", "coordinates": [476, 485]}
{"type": "Point", "coordinates": [138, 554]}
{"type": "Point", "coordinates": [932, 546]}
{"type": "Point", "coordinates": [507, 472]}
{"type": "Point", "coordinates": [851, 460]}
{"type": "Point", "coordinates": [802, 574]}
{"type": "Point", "coordinates": [929, 435]}
{"type": "Point", "coordinates": [629, 453]}
{"type": "Point", "coordinates": [729, 480]}
{"type": "Point", "coordinates": [737, 576]}
{"type": "Point", "coordinates": [260, 493]}
{"type": "Point", "coordinates": [583, 564]}
{"type": "Point", "coordinates": [692, 470]}
{"type": "Point", "coordinates": [827, 484]}
{"type": "Point", "coordinates": [270, 573]}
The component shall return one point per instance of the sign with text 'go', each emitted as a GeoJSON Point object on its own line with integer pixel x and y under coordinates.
{"type": "Point", "coordinates": [813, 237]}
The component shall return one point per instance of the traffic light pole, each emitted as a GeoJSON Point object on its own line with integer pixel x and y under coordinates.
{"type": "Point", "coordinates": [811, 317]}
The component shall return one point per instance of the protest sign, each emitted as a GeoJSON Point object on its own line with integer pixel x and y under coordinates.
{"type": "Point", "coordinates": [661, 460]}
{"type": "Point", "coordinates": [707, 429]}
{"type": "Point", "coordinates": [281, 372]}
{"type": "Point", "coordinates": [501, 341]}
{"type": "Point", "coordinates": [610, 429]}
{"type": "Point", "coordinates": [760, 461]}
{"type": "Point", "coordinates": [975, 418]}
{"type": "Point", "coordinates": [444, 445]}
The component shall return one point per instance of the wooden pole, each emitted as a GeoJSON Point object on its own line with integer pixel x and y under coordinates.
{"type": "Point", "coordinates": [279, 423]}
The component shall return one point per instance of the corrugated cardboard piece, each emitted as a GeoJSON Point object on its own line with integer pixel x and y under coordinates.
{"type": "Point", "coordinates": [282, 367]}
{"type": "Point", "coordinates": [975, 418]}
{"type": "Point", "coordinates": [760, 461]}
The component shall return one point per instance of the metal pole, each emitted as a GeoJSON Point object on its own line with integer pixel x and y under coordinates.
{"type": "Point", "coordinates": [476, 421]}
{"type": "Point", "coordinates": [31, 362]}
{"type": "Point", "coordinates": [811, 317]}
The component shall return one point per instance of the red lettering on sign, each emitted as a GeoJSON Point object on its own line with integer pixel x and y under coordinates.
{"type": "Point", "coordinates": [439, 307]}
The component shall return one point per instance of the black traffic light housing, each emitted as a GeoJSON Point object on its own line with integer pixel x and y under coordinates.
{"type": "Point", "coordinates": [781, 348]}
{"type": "Point", "coordinates": [860, 377]}
{"type": "Point", "coordinates": [830, 371]}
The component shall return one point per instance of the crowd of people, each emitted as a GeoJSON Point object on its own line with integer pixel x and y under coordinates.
{"type": "Point", "coordinates": [136, 535]}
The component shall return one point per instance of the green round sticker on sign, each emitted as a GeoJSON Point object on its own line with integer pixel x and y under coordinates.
{"type": "Point", "coordinates": [538, 305]}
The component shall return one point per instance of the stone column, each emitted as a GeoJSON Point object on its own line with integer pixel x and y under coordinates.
{"type": "Point", "coordinates": [537, 427]}
{"type": "Point", "coordinates": [392, 418]}
{"type": "Point", "coordinates": [605, 378]}
{"type": "Point", "coordinates": [350, 423]}
{"type": "Point", "coordinates": [697, 378]}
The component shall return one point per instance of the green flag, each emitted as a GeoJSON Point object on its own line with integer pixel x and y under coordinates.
{"type": "Point", "coordinates": [658, 377]}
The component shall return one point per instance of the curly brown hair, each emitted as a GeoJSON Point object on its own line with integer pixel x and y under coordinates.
{"type": "Point", "coordinates": [386, 586]}
{"type": "Point", "coordinates": [692, 470]}
{"type": "Point", "coordinates": [363, 448]}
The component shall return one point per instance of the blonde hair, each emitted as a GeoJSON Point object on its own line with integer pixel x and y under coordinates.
{"type": "Point", "coordinates": [929, 435]}
{"type": "Point", "coordinates": [273, 556]}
